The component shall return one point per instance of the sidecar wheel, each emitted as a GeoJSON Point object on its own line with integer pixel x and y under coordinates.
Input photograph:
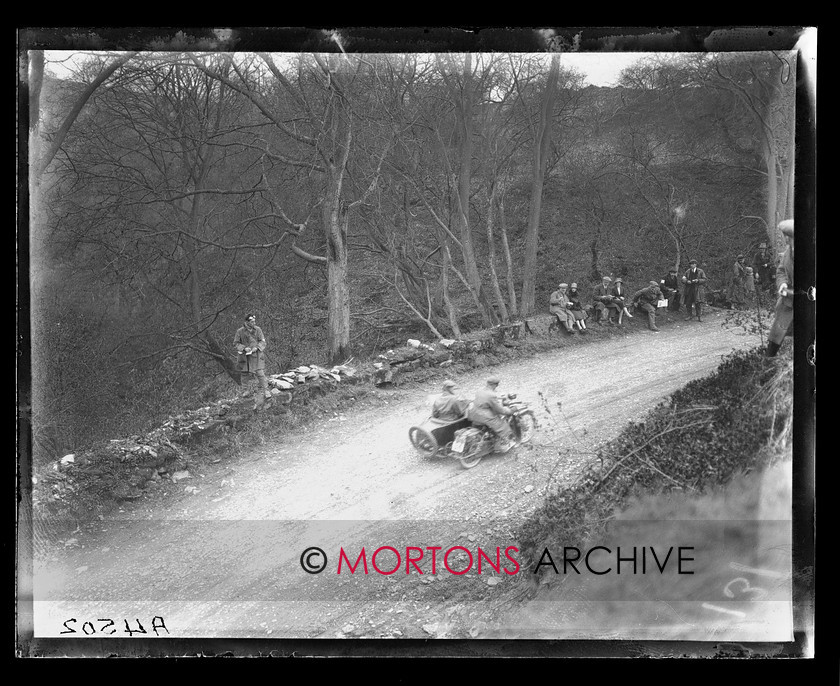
{"type": "Point", "coordinates": [527, 427]}
{"type": "Point", "coordinates": [472, 458]}
{"type": "Point", "coordinates": [423, 441]}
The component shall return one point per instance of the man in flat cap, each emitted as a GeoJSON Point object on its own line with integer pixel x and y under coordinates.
{"type": "Point", "coordinates": [560, 307]}
{"type": "Point", "coordinates": [783, 320]}
{"type": "Point", "coordinates": [250, 345]}
{"type": "Point", "coordinates": [449, 406]}
{"type": "Point", "coordinates": [694, 278]}
{"type": "Point", "coordinates": [647, 299]}
{"type": "Point", "coordinates": [487, 410]}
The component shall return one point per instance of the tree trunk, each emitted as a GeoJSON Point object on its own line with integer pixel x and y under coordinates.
{"type": "Point", "coordinates": [542, 143]}
{"type": "Point", "coordinates": [491, 257]}
{"type": "Point", "coordinates": [444, 277]}
{"type": "Point", "coordinates": [463, 193]}
{"type": "Point", "coordinates": [511, 284]}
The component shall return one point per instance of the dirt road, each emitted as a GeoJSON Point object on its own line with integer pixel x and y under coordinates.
{"type": "Point", "coordinates": [224, 558]}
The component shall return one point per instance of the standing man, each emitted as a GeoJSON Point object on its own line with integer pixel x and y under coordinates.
{"type": "Point", "coordinates": [737, 291]}
{"type": "Point", "coordinates": [784, 284]}
{"type": "Point", "coordinates": [559, 307]}
{"type": "Point", "coordinates": [762, 266]}
{"type": "Point", "coordinates": [670, 286]}
{"type": "Point", "coordinates": [694, 278]}
{"type": "Point", "coordinates": [250, 344]}
{"type": "Point", "coordinates": [647, 299]}
{"type": "Point", "coordinates": [449, 407]}
{"type": "Point", "coordinates": [487, 410]}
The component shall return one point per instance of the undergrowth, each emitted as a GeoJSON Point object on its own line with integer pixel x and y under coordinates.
{"type": "Point", "coordinates": [706, 433]}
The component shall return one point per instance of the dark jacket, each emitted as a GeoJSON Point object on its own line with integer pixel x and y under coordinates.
{"type": "Point", "coordinates": [693, 279]}
{"type": "Point", "coordinates": [486, 406]}
{"type": "Point", "coordinates": [670, 284]}
{"type": "Point", "coordinates": [651, 295]}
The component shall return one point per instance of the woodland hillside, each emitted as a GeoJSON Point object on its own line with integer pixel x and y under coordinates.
{"type": "Point", "coordinates": [353, 201]}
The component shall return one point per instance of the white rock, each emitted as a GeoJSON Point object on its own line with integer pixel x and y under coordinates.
{"type": "Point", "coordinates": [68, 459]}
{"type": "Point", "coordinates": [413, 342]}
{"type": "Point", "coordinates": [529, 488]}
{"type": "Point", "coordinates": [347, 628]}
{"type": "Point", "coordinates": [492, 581]}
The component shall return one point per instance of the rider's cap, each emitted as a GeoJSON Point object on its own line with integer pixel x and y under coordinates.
{"type": "Point", "coordinates": [786, 227]}
{"type": "Point", "coordinates": [740, 257]}
{"type": "Point", "coordinates": [606, 278]}
{"type": "Point", "coordinates": [692, 261]}
{"type": "Point", "coordinates": [619, 280]}
{"type": "Point", "coordinates": [563, 285]}
{"type": "Point", "coordinates": [672, 270]}
{"type": "Point", "coordinates": [653, 283]}
{"type": "Point", "coordinates": [574, 285]}
{"type": "Point", "coordinates": [494, 380]}
{"type": "Point", "coordinates": [449, 384]}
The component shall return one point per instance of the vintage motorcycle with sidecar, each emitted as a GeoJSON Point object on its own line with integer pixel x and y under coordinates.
{"type": "Point", "coordinates": [469, 443]}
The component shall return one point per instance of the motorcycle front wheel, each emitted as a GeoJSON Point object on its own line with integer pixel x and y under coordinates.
{"type": "Point", "coordinates": [527, 426]}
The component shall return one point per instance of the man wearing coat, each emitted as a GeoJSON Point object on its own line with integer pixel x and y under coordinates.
{"type": "Point", "coordinates": [449, 406]}
{"type": "Point", "coordinates": [250, 345]}
{"type": "Point", "coordinates": [603, 301]}
{"type": "Point", "coordinates": [487, 410]}
{"type": "Point", "coordinates": [783, 319]}
{"type": "Point", "coordinates": [560, 308]}
{"type": "Point", "coordinates": [694, 278]}
{"type": "Point", "coordinates": [647, 299]}
{"type": "Point", "coordinates": [670, 287]}
{"type": "Point", "coordinates": [762, 266]}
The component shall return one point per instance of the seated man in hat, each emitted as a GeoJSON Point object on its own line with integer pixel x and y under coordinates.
{"type": "Point", "coordinates": [647, 299]}
{"type": "Point", "coordinates": [560, 308]}
{"type": "Point", "coordinates": [783, 320]}
{"type": "Point", "coordinates": [670, 287]}
{"type": "Point", "coordinates": [449, 407]}
{"type": "Point", "coordinates": [603, 301]}
{"type": "Point", "coordinates": [487, 410]}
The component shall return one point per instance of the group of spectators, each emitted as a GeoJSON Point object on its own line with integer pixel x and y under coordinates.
{"type": "Point", "coordinates": [611, 299]}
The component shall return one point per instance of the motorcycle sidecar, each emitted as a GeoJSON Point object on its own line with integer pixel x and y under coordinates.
{"type": "Point", "coordinates": [433, 436]}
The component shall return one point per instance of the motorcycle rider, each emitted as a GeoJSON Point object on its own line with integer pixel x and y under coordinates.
{"type": "Point", "coordinates": [487, 410]}
{"type": "Point", "coordinates": [449, 406]}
